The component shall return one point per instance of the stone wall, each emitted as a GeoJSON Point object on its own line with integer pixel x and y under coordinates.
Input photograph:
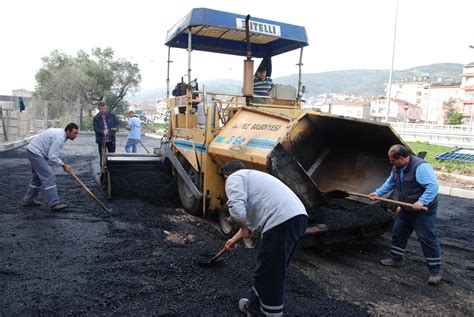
{"type": "Point", "coordinates": [15, 125]}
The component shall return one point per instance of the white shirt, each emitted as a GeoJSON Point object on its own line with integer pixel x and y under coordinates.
{"type": "Point", "coordinates": [261, 200]}
{"type": "Point", "coordinates": [48, 144]}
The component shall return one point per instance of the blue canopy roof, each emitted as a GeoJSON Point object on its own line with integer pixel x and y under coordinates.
{"type": "Point", "coordinates": [223, 32]}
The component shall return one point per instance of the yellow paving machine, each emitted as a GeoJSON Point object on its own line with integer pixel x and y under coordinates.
{"type": "Point", "coordinates": [312, 152]}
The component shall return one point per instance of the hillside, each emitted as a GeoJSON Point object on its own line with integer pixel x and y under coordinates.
{"type": "Point", "coordinates": [363, 82]}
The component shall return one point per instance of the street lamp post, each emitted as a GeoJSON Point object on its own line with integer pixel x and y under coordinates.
{"type": "Point", "coordinates": [472, 118]}
{"type": "Point", "coordinates": [428, 87]}
{"type": "Point", "coordinates": [391, 68]}
{"type": "Point", "coordinates": [472, 107]}
{"type": "Point", "coordinates": [405, 107]}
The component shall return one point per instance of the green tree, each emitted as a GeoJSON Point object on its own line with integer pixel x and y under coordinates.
{"type": "Point", "coordinates": [455, 118]}
{"type": "Point", "coordinates": [85, 80]}
{"type": "Point", "coordinates": [448, 108]}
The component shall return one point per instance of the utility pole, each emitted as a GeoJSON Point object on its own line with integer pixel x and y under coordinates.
{"type": "Point", "coordinates": [472, 108]}
{"type": "Point", "coordinates": [405, 108]}
{"type": "Point", "coordinates": [391, 68]}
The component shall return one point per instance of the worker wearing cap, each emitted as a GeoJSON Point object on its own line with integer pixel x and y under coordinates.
{"type": "Point", "coordinates": [261, 203]}
{"type": "Point", "coordinates": [134, 128]}
{"type": "Point", "coordinates": [262, 84]}
{"type": "Point", "coordinates": [42, 149]}
{"type": "Point", "coordinates": [414, 181]}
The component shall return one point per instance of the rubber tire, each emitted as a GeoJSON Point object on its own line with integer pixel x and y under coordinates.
{"type": "Point", "coordinates": [191, 204]}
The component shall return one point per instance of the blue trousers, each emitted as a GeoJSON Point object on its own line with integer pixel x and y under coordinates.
{"type": "Point", "coordinates": [131, 146]}
{"type": "Point", "coordinates": [424, 224]}
{"type": "Point", "coordinates": [273, 257]}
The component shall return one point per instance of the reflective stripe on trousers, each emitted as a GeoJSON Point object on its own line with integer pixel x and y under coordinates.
{"type": "Point", "coordinates": [41, 176]}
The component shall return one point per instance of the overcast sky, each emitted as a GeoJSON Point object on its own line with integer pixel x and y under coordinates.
{"type": "Point", "coordinates": [343, 34]}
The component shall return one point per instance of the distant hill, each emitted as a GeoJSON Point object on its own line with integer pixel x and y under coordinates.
{"type": "Point", "coordinates": [363, 82]}
{"type": "Point", "coordinates": [367, 82]}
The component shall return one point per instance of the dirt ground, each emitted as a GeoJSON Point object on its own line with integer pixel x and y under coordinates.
{"type": "Point", "coordinates": [141, 259]}
{"type": "Point", "coordinates": [456, 181]}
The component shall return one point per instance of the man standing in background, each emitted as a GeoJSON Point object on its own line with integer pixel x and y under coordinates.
{"type": "Point", "coordinates": [105, 126]}
{"type": "Point", "coordinates": [21, 104]}
{"type": "Point", "coordinates": [134, 128]}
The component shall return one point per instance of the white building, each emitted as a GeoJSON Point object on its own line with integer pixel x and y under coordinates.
{"type": "Point", "coordinates": [468, 101]}
{"type": "Point", "coordinates": [439, 94]}
{"type": "Point", "coordinates": [350, 108]}
{"type": "Point", "coordinates": [400, 110]}
{"type": "Point", "coordinates": [429, 96]}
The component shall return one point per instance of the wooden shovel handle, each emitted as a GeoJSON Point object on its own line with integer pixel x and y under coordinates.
{"type": "Point", "coordinates": [397, 202]}
{"type": "Point", "coordinates": [218, 255]}
{"type": "Point", "coordinates": [88, 191]}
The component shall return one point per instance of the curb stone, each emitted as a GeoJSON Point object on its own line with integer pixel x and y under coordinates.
{"type": "Point", "coordinates": [457, 192]}
{"type": "Point", "coordinates": [14, 144]}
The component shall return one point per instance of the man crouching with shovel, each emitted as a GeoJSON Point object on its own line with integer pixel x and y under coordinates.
{"type": "Point", "coordinates": [43, 148]}
{"type": "Point", "coordinates": [259, 202]}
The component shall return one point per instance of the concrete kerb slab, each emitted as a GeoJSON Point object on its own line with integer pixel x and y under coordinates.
{"type": "Point", "coordinates": [17, 143]}
{"type": "Point", "coordinates": [154, 135]}
{"type": "Point", "coordinates": [457, 192]}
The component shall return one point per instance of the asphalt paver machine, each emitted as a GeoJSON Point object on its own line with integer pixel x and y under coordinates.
{"type": "Point", "coordinates": [312, 152]}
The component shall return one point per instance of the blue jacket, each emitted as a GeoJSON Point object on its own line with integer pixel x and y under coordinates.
{"type": "Point", "coordinates": [98, 124]}
{"type": "Point", "coordinates": [413, 182]}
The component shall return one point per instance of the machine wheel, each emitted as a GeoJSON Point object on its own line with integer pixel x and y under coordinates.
{"type": "Point", "coordinates": [227, 224]}
{"type": "Point", "coordinates": [190, 203]}
{"type": "Point", "coordinates": [105, 183]}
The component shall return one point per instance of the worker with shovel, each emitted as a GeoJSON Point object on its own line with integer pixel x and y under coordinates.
{"type": "Point", "coordinates": [261, 203]}
{"type": "Point", "coordinates": [134, 128]}
{"type": "Point", "coordinates": [43, 148]}
{"type": "Point", "coordinates": [414, 181]}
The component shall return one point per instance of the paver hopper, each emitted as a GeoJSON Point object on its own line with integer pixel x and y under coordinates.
{"type": "Point", "coordinates": [315, 153]}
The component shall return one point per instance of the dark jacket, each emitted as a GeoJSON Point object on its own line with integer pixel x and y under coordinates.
{"type": "Point", "coordinates": [21, 104]}
{"type": "Point", "coordinates": [412, 190]}
{"type": "Point", "coordinates": [98, 124]}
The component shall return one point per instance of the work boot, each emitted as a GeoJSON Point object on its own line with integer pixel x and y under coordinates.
{"type": "Point", "coordinates": [32, 203]}
{"type": "Point", "coordinates": [434, 278]}
{"type": "Point", "coordinates": [243, 306]}
{"type": "Point", "coordinates": [391, 262]}
{"type": "Point", "coordinates": [58, 207]}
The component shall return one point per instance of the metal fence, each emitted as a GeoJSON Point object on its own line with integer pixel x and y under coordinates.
{"type": "Point", "coordinates": [434, 127]}
{"type": "Point", "coordinates": [449, 135]}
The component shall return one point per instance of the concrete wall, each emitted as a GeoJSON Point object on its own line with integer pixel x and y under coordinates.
{"type": "Point", "coordinates": [15, 125]}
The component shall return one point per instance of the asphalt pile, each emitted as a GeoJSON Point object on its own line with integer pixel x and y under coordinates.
{"type": "Point", "coordinates": [142, 258]}
{"type": "Point", "coordinates": [343, 214]}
